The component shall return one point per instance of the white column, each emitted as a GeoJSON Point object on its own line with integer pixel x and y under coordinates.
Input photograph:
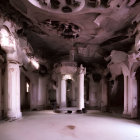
{"type": "Point", "coordinates": [63, 93]}
{"type": "Point", "coordinates": [13, 90]}
{"type": "Point", "coordinates": [41, 93]}
{"type": "Point", "coordinates": [132, 98]}
{"type": "Point", "coordinates": [104, 98]}
{"type": "Point", "coordinates": [81, 88]}
{"type": "Point", "coordinates": [73, 94]}
{"type": "Point", "coordinates": [125, 111]}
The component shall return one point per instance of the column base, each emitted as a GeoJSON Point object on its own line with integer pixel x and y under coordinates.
{"type": "Point", "coordinates": [14, 115]}
{"type": "Point", "coordinates": [81, 111]}
{"type": "Point", "coordinates": [126, 115]}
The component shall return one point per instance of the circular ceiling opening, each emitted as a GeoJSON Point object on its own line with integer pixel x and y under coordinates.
{"type": "Point", "coordinates": [59, 6]}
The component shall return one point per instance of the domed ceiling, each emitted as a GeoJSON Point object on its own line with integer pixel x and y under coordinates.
{"type": "Point", "coordinates": [91, 27]}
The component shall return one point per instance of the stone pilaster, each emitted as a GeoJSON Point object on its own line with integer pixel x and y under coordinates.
{"type": "Point", "coordinates": [81, 74]}
{"type": "Point", "coordinates": [12, 90]}
{"type": "Point", "coordinates": [63, 93]}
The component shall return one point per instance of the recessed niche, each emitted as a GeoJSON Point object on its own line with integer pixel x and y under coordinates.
{"type": "Point", "coordinates": [66, 9]}
{"type": "Point", "coordinates": [55, 4]}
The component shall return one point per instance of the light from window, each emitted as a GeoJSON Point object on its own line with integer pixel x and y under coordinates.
{"type": "Point", "coordinates": [27, 87]}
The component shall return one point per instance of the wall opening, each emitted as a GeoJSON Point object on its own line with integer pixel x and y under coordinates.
{"type": "Point", "coordinates": [138, 90]}
{"type": "Point", "coordinates": [69, 93]}
{"type": "Point", "coordinates": [25, 93]}
{"type": "Point", "coordinates": [117, 95]}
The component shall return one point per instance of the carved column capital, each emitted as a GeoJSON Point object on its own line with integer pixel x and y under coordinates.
{"type": "Point", "coordinates": [81, 70]}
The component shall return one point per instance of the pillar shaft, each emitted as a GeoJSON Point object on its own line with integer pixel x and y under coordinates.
{"type": "Point", "coordinates": [13, 91]}
{"type": "Point", "coordinates": [63, 93]}
{"type": "Point", "coordinates": [130, 97]}
{"type": "Point", "coordinates": [81, 91]}
{"type": "Point", "coordinates": [132, 100]}
{"type": "Point", "coordinates": [58, 91]}
{"type": "Point", "coordinates": [125, 112]}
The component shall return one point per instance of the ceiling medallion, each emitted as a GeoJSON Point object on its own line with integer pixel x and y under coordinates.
{"type": "Point", "coordinates": [66, 30]}
{"type": "Point", "coordinates": [59, 6]}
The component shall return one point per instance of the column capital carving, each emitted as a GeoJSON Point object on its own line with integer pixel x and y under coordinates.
{"type": "Point", "coordinates": [81, 70]}
{"type": "Point", "coordinates": [13, 62]}
{"type": "Point", "coordinates": [7, 41]}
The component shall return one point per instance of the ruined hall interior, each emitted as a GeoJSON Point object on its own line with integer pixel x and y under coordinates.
{"type": "Point", "coordinates": [70, 69]}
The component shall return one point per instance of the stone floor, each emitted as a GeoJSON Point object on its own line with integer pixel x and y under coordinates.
{"type": "Point", "coordinates": [46, 125]}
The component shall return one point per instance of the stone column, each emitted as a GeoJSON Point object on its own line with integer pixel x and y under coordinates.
{"type": "Point", "coordinates": [73, 97]}
{"type": "Point", "coordinates": [81, 73]}
{"type": "Point", "coordinates": [63, 93]}
{"type": "Point", "coordinates": [104, 96]}
{"type": "Point", "coordinates": [132, 98]}
{"type": "Point", "coordinates": [41, 93]}
{"type": "Point", "coordinates": [125, 111]}
{"type": "Point", "coordinates": [58, 91]}
{"type": "Point", "coordinates": [13, 90]}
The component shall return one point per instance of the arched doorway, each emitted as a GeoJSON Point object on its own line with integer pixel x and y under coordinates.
{"type": "Point", "coordinates": [25, 92]}
{"type": "Point", "coordinates": [69, 93]}
{"type": "Point", "coordinates": [117, 95]}
{"type": "Point", "coordinates": [138, 89]}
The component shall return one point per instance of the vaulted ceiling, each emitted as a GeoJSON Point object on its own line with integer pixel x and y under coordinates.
{"type": "Point", "coordinates": [92, 27]}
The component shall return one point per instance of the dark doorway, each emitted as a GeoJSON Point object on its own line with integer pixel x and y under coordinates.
{"type": "Point", "coordinates": [138, 89]}
{"type": "Point", "coordinates": [25, 93]}
{"type": "Point", "coordinates": [69, 93]}
{"type": "Point", "coordinates": [117, 95]}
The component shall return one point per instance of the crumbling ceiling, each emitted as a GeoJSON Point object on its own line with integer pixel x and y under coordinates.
{"type": "Point", "coordinates": [92, 27]}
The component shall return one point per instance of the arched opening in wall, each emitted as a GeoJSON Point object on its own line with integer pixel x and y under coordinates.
{"type": "Point", "coordinates": [138, 89]}
{"type": "Point", "coordinates": [69, 93]}
{"type": "Point", "coordinates": [25, 93]}
{"type": "Point", "coordinates": [117, 95]}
